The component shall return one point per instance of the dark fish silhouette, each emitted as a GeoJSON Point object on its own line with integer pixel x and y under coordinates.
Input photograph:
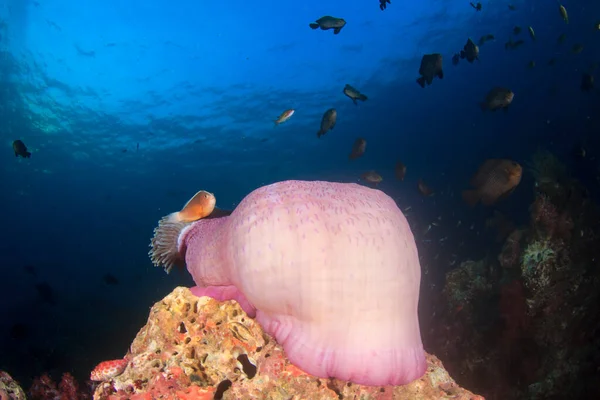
{"type": "Point", "coordinates": [110, 279]}
{"type": "Point", "coordinates": [587, 82]}
{"type": "Point", "coordinates": [470, 51]}
{"type": "Point", "coordinates": [383, 5]}
{"type": "Point", "coordinates": [400, 170]}
{"type": "Point", "coordinates": [477, 6]}
{"type": "Point", "coordinates": [455, 59]}
{"type": "Point", "coordinates": [354, 94]}
{"type": "Point", "coordinates": [423, 188]}
{"type": "Point", "coordinates": [510, 45]}
{"type": "Point", "coordinates": [30, 269]}
{"type": "Point", "coordinates": [20, 149]}
{"type": "Point", "coordinates": [495, 179]}
{"type": "Point", "coordinates": [497, 98]}
{"type": "Point", "coordinates": [19, 331]}
{"type": "Point", "coordinates": [431, 66]}
{"type": "Point", "coordinates": [46, 293]}
{"type": "Point", "coordinates": [328, 22]}
{"type": "Point", "coordinates": [358, 149]}
{"type": "Point", "coordinates": [327, 122]}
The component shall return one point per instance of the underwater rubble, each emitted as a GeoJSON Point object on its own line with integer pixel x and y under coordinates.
{"type": "Point", "coordinates": [525, 324]}
{"type": "Point", "coordinates": [199, 348]}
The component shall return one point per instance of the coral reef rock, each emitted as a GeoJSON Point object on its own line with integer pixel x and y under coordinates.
{"type": "Point", "coordinates": [9, 389]}
{"type": "Point", "coordinates": [199, 348]}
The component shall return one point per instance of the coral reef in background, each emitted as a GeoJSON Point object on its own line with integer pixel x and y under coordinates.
{"type": "Point", "coordinates": [547, 169]}
{"type": "Point", "coordinates": [199, 348]}
{"type": "Point", "coordinates": [510, 255]}
{"type": "Point", "coordinates": [467, 282]}
{"type": "Point", "coordinates": [44, 388]}
{"type": "Point", "coordinates": [530, 330]}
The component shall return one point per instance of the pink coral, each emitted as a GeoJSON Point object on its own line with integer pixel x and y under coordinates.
{"type": "Point", "coordinates": [68, 387]}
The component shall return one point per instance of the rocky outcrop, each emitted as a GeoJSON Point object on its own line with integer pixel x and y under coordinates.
{"type": "Point", "coordinates": [199, 348]}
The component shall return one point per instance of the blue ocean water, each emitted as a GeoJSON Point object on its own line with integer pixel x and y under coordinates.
{"type": "Point", "coordinates": [130, 107]}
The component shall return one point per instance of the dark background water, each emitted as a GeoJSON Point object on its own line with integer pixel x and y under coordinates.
{"type": "Point", "coordinates": [197, 86]}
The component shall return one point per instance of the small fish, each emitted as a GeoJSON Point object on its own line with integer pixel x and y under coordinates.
{"type": "Point", "coordinates": [20, 149]}
{"type": "Point", "coordinates": [46, 293]}
{"type": "Point", "coordinates": [455, 58]}
{"type": "Point", "coordinates": [201, 205]}
{"type": "Point", "coordinates": [531, 32]}
{"type": "Point", "coordinates": [358, 149]}
{"type": "Point", "coordinates": [424, 189]}
{"type": "Point", "coordinates": [561, 38]}
{"type": "Point", "coordinates": [531, 64]}
{"type": "Point", "coordinates": [431, 66]}
{"type": "Point", "coordinates": [371, 177]}
{"type": "Point", "coordinates": [563, 13]}
{"type": "Point", "coordinates": [285, 116]}
{"type": "Point", "coordinates": [137, 147]}
{"type": "Point", "coordinates": [328, 22]}
{"type": "Point", "coordinates": [587, 84]}
{"type": "Point", "coordinates": [327, 122]}
{"type": "Point", "coordinates": [579, 152]}
{"type": "Point", "coordinates": [577, 48]}
{"type": "Point", "coordinates": [19, 331]}
{"type": "Point", "coordinates": [495, 179]}
{"type": "Point", "coordinates": [486, 38]}
{"type": "Point", "coordinates": [512, 7]}
{"type": "Point", "coordinates": [110, 279]}
{"type": "Point", "coordinates": [400, 170]}
{"type": "Point", "coordinates": [30, 269]}
{"type": "Point", "coordinates": [107, 370]}
{"type": "Point", "coordinates": [458, 223]}
{"type": "Point", "coordinates": [517, 30]}
{"type": "Point", "coordinates": [354, 94]}
{"type": "Point", "coordinates": [470, 51]}
{"type": "Point", "coordinates": [497, 98]}
{"type": "Point", "coordinates": [551, 62]}
{"type": "Point", "coordinates": [477, 6]}
{"type": "Point", "coordinates": [383, 5]}
{"type": "Point", "coordinates": [510, 45]}
{"type": "Point", "coordinates": [597, 26]}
